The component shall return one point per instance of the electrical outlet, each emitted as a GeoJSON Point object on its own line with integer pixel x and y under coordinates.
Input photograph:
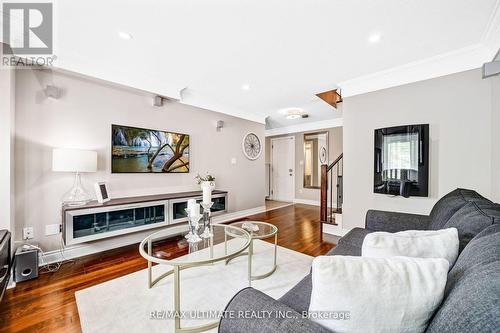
{"type": "Point", "coordinates": [52, 229]}
{"type": "Point", "coordinates": [28, 233]}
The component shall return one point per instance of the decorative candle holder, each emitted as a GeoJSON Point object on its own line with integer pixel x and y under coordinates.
{"type": "Point", "coordinates": [207, 232]}
{"type": "Point", "coordinates": [192, 236]}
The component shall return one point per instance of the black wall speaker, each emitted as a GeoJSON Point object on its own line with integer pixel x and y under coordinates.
{"type": "Point", "coordinates": [25, 264]}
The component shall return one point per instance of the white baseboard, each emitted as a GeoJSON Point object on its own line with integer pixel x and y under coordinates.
{"type": "Point", "coordinates": [287, 204]}
{"type": "Point", "coordinates": [84, 249]}
{"type": "Point", "coordinates": [306, 202]}
{"type": "Point", "coordinates": [336, 230]}
{"type": "Point", "coordinates": [310, 202]}
{"type": "Point", "coordinates": [12, 283]}
{"type": "Point", "coordinates": [238, 215]}
{"type": "Point", "coordinates": [80, 250]}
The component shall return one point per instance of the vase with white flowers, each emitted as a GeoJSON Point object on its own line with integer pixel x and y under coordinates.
{"type": "Point", "coordinates": [207, 184]}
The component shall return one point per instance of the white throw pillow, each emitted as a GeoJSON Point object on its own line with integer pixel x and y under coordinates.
{"type": "Point", "coordinates": [413, 243]}
{"type": "Point", "coordinates": [397, 294]}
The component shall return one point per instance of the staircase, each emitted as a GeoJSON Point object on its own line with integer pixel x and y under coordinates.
{"type": "Point", "coordinates": [331, 191]}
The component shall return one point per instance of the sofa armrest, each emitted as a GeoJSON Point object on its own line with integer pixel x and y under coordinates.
{"type": "Point", "coordinates": [378, 220]}
{"type": "Point", "coordinates": [251, 311]}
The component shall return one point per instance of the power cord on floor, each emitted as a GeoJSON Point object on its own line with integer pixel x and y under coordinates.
{"type": "Point", "coordinates": [50, 267]}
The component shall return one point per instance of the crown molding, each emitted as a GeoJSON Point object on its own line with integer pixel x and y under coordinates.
{"type": "Point", "coordinates": [195, 98]}
{"type": "Point", "coordinates": [470, 57]}
{"type": "Point", "coordinates": [491, 36]}
{"type": "Point", "coordinates": [460, 60]}
{"type": "Point", "coordinates": [305, 127]}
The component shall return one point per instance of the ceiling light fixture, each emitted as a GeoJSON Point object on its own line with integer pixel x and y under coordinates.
{"type": "Point", "coordinates": [294, 113]}
{"type": "Point", "coordinates": [374, 38]}
{"type": "Point", "coordinates": [124, 35]}
{"type": "Point", "coordinates": [245, 87]}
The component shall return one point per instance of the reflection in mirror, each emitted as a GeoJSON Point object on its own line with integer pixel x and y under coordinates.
{"type": "Point", "coordinates": [401, 160]}
{"type": "Point", "coordinates": [315, 154]}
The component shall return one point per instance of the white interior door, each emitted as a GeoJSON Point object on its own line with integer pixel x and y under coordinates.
{"type": "Point", "coordinates": [283, 168]}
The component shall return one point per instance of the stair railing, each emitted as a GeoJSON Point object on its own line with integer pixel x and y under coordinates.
{"type": "Point", "coordinates": [331, 187]}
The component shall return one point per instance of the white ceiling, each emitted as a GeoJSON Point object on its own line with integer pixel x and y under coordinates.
{"type": "Point", "coordinates": [285, 50]}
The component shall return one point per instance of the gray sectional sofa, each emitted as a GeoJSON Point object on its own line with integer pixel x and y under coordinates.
{"type": "Point", "coordinates": [472, 295]}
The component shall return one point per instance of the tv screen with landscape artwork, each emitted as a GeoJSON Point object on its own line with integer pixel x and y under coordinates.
{"type": "Point", "coordinates": [140, 150]}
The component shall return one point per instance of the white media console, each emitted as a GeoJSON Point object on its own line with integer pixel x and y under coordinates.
{"type": "Point", "coordinates": [126, 215]}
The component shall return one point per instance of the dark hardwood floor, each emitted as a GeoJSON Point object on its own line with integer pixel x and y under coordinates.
{"type": "Point", "coordinates": [48, 304]}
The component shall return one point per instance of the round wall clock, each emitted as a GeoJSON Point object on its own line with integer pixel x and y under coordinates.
{"type": "Point", "coordinates": [322, 155]}
{"type": "Point", "coordinates": [252, 146]}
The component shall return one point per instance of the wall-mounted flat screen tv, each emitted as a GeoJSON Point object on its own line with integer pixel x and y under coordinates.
{"type": "Point", "coordinates": [141, 150]}
{"type": "Point", "coordinates": [401, 158]}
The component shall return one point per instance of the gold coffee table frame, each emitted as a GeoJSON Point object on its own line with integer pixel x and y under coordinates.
{"type": "Point", "coordinates": [178, 266]}
{"type": "Point", "coordinates": [272, 232]}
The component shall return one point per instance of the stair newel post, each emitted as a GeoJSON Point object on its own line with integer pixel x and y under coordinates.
{"type": "Point", "coordinates": [324, 193]}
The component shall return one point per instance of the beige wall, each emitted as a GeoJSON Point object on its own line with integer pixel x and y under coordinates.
{"type": "Point", "coordinates": [334, 150]}
{"type": "Point", "coordinates": [495, 142]}
{"type": "Point", "coordinates": [7, 105]}
{"type": "Point", "coordinates": [82, 118]}
{"type": "Point", "coordinates": [458, 109]}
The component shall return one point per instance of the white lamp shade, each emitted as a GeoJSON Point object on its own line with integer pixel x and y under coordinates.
{"type": "Point", "coordinates": [74, 160]}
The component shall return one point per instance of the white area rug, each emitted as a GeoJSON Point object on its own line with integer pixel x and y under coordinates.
{"type": "Point", "coordinates": [125, 304]}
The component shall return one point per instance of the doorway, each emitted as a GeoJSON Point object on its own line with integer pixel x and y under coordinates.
{"type": "Point", "coordinates": [283, 168]}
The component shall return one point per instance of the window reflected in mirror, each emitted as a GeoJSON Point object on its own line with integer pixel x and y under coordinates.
{"type": "Point", "coordinates": [315, 154]}
{"type": "Point", "coordinates": [402, 160]}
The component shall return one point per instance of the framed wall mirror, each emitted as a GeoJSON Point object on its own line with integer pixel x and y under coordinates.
{"type": "Point", "coordinates": [401, 159]}
{"type": "Point", "coordinates": [315, 154]}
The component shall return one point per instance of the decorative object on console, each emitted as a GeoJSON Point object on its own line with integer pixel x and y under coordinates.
{"type": "Point", "coordinates": [207, 178]}
{"type": "Point", "coordinates": [252, 148]}
{"type": "Point", "coordinates": [207, 184]}
{"type": "Point", "coordinates": [401, 158]}
{"type": "Point", "coordinates": [139, 150]}
{"type": "Point", "coordinates": [101, 192]}
{"type": "Point", "coordinates": [77, 161]}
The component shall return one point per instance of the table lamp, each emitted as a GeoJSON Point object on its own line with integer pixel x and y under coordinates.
{"type": "Point", "coordinates": [77, 161]}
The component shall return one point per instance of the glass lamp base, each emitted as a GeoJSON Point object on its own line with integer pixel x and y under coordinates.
{"type": "Point", "coordinates": [77, 196]}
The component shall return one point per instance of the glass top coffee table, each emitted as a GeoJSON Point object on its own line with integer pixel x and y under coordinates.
{"type": "Point", "coordinates": [257, 230]}
{"type": "Point", "coordinates": [155, 249]}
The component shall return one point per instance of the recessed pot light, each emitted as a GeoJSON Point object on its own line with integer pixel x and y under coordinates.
{"type": "Point", "coordinates": [374, 38]}
{"type": "Point", "coordinates": [124, 35]}
{"type": "Point", "coordinates": [245, 87]}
